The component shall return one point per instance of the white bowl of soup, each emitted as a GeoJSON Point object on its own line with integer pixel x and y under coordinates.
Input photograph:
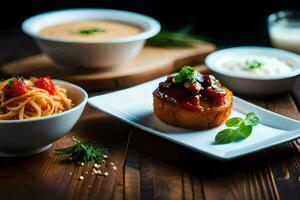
{"type": "Point", "coordinates": [91, 38]}
{"type": "Point", "coordinates": [255, 71]}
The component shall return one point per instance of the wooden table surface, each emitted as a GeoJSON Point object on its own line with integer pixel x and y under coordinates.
{"type": "Point", "coordinates": [148, 167]}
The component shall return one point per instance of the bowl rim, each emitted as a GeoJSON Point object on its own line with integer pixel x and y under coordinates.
{"type": "Point", "coordinates": [76, 107]}
{"type": "Point", "coordinates": [153, 26]}
{"type": "Point", "coordinates": [278, 53]}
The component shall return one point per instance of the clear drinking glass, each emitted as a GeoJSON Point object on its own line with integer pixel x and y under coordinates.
{"type": "Point", "coordinates": [284, 30]}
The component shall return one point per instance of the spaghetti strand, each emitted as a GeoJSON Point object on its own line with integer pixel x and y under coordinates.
{"type": "Point", "coordinates": [36, 102]}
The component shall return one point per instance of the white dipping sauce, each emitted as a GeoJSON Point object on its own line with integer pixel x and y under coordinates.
{"type": "Point", "coordinates": [254, 64]}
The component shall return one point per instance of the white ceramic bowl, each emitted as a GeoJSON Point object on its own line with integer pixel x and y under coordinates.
{"type": "Point", "coordinates": [91, 54]}
{"type": "Point", "coordinates": [252, 84]}
{"type": "Point", "coordinates": [26, 137]}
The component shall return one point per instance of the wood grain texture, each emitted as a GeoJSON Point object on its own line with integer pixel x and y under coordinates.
{"type": "Point", "coordinates": [285, 162]}
{"type": "Point", "coordinates": [152, 62]}
{"type": "Point", "coordinates": [152, 168]}
{"type": "Point", "coordinates": [149, 167]}
{"type": "Point", "coordinates": [252, 177]}
{"type": "Point", "coordinates": [45, 176]}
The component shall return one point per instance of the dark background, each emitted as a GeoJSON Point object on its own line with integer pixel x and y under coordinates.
{"type": "Point", "coordinates": [227, 23]}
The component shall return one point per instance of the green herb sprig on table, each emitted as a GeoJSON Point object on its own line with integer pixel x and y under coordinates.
{"type": "Point", "coordinates": [181, 38]}
{"type": "Point", "coordinates": [83, 151]}
{"type": "Point", "coordinates": [89, 31]}
{"type": "Point", "coordinates": [239, 129]}
{"type": "Point", "coordinates": [186, 74]}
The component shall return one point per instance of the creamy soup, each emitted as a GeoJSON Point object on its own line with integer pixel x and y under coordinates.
{"type": "Point", "coordinates": [91, 30]}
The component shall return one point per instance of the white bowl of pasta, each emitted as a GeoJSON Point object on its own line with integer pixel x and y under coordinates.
{"type": "Point", "coordinates": [34, 113]}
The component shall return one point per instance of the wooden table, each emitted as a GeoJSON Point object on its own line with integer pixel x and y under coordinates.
{"type": "Point", "coordinates": [149, 167]}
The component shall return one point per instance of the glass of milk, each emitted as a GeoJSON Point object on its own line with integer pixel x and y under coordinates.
{"type": "Point", "coordinates": [284, 30]}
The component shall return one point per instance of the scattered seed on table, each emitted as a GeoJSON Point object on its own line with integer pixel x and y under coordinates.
{"type": "Point", "coordinates": [96, 165]}
{"type": "Point", "coordinates": [81, 177]}
{"type": "Point", "coordinates": [70, 173]}
{"type": "Point", "coordinates": [105, 173]}
{"type": "Point", "coordinates": [82, 163]}
{"type": "Point", "coordinates": [114, 167]}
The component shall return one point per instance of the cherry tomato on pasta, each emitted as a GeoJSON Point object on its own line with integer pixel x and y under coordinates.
{"type": "Point", "coordinates": [46, 83]}
{"type": "Point", "coordinates": [15, 87]}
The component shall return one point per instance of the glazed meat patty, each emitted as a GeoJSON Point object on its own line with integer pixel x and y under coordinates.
{"type": "Point", "coordinates": [176, 115]}
{"type": "Point", "coordinates": [192, 100]}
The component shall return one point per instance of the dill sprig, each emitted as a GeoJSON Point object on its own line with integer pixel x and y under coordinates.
{"type": "Point", "coordinates": [181, 38]}
{"type": "Point", "coordinates": [83, 151]}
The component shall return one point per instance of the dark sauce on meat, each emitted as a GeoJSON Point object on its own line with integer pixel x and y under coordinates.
{"type": "Point", "coordinates": [199, 95]}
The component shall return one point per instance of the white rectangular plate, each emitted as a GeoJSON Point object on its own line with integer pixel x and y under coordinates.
{"type": "Point", "coordinates": [134, 106]}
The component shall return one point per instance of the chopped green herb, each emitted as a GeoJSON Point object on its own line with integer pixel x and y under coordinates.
{"type": "Point", "coordinates": [89, 31]}
{"type": "Point", "coordinates": [253, 64]}
{"type": "Point", "coordinates": [186, 74]}
{"type": "Point", "coordinates": [9, 84]}
{"type": "Point", "coordinates": [243, 129]}
{"type": "Point", "coordinates": [20, 77]}
{"type": "Point", "coordinates": [83, 151]}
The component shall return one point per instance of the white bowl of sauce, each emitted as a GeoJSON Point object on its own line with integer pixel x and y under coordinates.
{"type": "Point", "coordinates": [255, 70]}
{"type": "Point", "coordinates": [91, 38]}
